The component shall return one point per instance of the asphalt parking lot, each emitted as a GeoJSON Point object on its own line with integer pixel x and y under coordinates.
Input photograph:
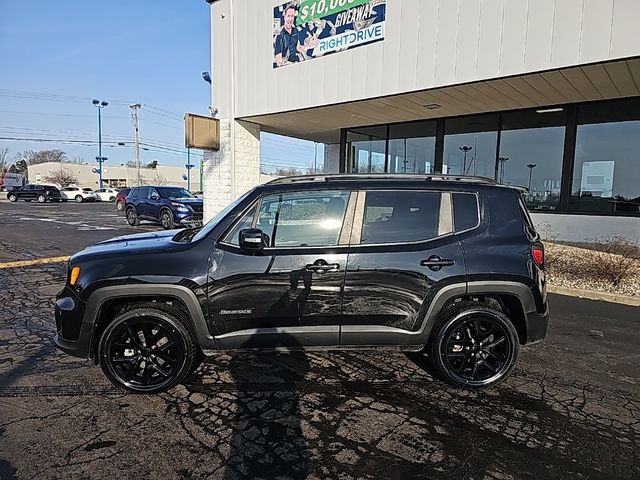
{"type": "Point", "coordinates": [571, 409]}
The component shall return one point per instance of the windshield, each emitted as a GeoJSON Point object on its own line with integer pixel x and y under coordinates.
{"type": "Point", "coordinates": [210, 225]}
{"type": "Point", "coordinates": [174, 193]}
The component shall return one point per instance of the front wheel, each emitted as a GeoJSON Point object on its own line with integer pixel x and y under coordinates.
{"type": "Point", "coordinates": [132, 217]}
{"type": "Point", "coordinates": [79, 199]}
{"type": "Point", "coordinates": [42, 199]}
{"type": "Point", "coordinates": [474, 347]}
{"type": "Point", "coordinates": [166, 219]}
{"type": "Point", "coordinates": [147, 349]}
{"type": "Point", "coordinates": [13, 197]}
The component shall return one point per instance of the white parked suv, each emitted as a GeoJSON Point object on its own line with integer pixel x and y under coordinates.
{"type": "Point", "coordinates": [78, 194]}
{"type": "Point", "coordinates": [106, 194]}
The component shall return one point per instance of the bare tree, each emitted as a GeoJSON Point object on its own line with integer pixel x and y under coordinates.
{"type": "Point", "coordinates": [62, 177]}
{"type": "Point", "coordinates": [76, 160]}
{"type": "Point", "coordinates": [157, 179]}
{"type": "Point", "coordinates": [4, 162]}
{"type": "Point", "coordinates": [43, 156]}
{"type": "Point", "coordinates": [287, 172]}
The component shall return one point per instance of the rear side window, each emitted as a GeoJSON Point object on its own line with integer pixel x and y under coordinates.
{"type": "Point", "coordinates": [401, 216]}
{"type": "Point", "coordinates": [465, 211]}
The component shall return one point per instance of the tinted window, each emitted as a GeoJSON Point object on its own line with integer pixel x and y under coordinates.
{"type": "Point", "coordinates": [173, 193]}
{"type": "Point", "coordinates": [233, 237]}
{"type": "Point", "coordinates": [465, 211]}
{"type": "Point", "coordinates": [303, 218]}
{"type": "Point", "coordinates": [395, 217]}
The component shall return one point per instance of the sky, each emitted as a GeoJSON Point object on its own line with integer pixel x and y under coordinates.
{"type": "Point", "coordinates": [56, 56]}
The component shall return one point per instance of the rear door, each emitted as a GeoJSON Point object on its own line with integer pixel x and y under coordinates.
{"type": "Point", "coordinates": [291, 294]}
{"type": "Point", "coordinates": [402, 253]}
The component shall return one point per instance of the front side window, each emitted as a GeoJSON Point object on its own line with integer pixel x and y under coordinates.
{"type": "Point", "coordinates": [303, 219]}
{"type": "Point", "coordinates": [401, 216]}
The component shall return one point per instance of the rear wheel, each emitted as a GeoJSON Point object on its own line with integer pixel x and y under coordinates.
{"type": "Point", "coordinates": [79, 199]}
{"type": "Point", "coordinates": [42, 199]}
{"type": "Point", "coordinates": [147, 349]}
{"type": "Point", "coordinates": [166, 219]}
{"type": "Point", "coordinates": [132, 217]}
{"type": "Point", "coordinates": [13, 197]}
{"type": "Point", "coordinates": [474, 347]}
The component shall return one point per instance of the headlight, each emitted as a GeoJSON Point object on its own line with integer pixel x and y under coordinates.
{"type": "Point", "coordinates": [180, 207]}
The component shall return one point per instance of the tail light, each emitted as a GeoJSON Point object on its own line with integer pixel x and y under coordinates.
{"type": "Point", "coordinates": [537, 252]}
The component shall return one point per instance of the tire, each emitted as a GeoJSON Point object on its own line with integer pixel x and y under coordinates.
{"type": "Point", "coordinates": [474, 346]}
{"type": "Point", "coordinates": [166, 219]}
{"type": "Point", "coordinates": [132, 217]}
{"type": "Point", "coordinates": [147, 349]}
{"type": "Point", "coordinates": [119, 206]}
{"type": "Point", "coordinates": [42, 199]}
{"type": "Point", "coordinates": [111, 199]}
{"type": "Point", "coordinates": [12, 197]}
{"type": "Point", "coordinates": [79, 199]}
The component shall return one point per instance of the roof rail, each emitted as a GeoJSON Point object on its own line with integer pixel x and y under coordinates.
{"type": "Point", "coordinates": [380, 176]}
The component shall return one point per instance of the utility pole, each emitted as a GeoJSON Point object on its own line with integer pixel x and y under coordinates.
{"type": "Point", "coordinates": [136, 127]}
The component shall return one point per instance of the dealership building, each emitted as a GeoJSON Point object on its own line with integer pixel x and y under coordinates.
{"type": "Point", "coordinates": [538, 93]}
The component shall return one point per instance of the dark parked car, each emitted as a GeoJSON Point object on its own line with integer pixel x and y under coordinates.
{"type": "Point", "coordinates": [170, 206]}
{"type": "Point", "coordinates": [120, 198]}
{"type": "Point", "coordinates": [449, 266]}
{"type": "Point", "coordinates": [39, 193]}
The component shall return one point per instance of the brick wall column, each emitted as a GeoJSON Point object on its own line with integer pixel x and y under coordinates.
{"type": "Point", "coordinates": [234, 169]}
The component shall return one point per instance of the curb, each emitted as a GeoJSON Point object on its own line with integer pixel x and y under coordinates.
{"type": "Point", "coordinates": [594, 295]}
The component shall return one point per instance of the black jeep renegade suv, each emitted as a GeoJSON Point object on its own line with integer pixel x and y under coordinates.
{"type": "Point", "coordinates": [451, 266]}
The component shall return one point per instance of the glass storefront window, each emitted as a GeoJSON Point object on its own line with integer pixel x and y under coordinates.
{"type": "Point", "coordinates": [531, 152]}
{"type": "Point", "coordinates": [412, 147]}
{"type": "Point", "coordinates": [470, 145]}
{"type": "Point", "coordinates": [366, 150]}
{"type": "Point", "coordinates": [606, 171]}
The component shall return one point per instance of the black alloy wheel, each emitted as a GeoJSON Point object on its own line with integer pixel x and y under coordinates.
{"type": "Point", "coordinates": [132, 217]}
{"type": "Point", "coordinates": [147, 350]}
{"type": "Point", "coordinates": [475, 347]}
{"type": "Point", "coordinates": [166, 219]}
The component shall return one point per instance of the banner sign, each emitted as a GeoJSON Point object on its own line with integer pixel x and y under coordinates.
{"type": "Point", "coordinates": [306, 29]}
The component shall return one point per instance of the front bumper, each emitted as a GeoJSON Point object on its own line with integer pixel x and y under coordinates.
{"type": "Point", "coordinates": [190, 219]}
{"type": "Point", "coordinates": [73, 336]}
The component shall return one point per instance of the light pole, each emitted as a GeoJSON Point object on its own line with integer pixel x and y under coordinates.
{"type": "Point", "coordinates": [100, 159]}
{"type": "Point", "coordinates": [189, 166]}
{"type": "Point", "coordinates": [530, 166]}
{"type": "Point", "coordinates": [465, 149]}
{"type": "Point", "coordinates": [502, 161]}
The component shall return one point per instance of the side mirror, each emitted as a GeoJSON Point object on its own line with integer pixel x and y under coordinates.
{"type": "Point", "coordinates": [155, 197]}
{"type": "Point", "coordinates": [252, 239]}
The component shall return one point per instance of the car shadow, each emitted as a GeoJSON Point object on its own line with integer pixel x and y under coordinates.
{"type": "Point", "coordinates": [267, 439]}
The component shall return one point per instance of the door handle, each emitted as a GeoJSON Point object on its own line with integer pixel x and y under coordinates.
{"type": "Point", "coordinates": [435, 262]}
{"type": "Point", "coordinates": [322, 266]}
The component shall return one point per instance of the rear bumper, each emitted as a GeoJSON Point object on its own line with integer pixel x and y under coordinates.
{"type": "Point", "coordinates": [537, 325]}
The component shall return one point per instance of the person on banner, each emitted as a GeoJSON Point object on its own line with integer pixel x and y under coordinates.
{"type": "Point", "coordinates": [287, 47]}
{"type": "Point", "coordinates": [314, 31]}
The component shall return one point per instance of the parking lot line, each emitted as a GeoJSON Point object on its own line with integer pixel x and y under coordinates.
{"type": "Point", "coordinates": [36, 261]}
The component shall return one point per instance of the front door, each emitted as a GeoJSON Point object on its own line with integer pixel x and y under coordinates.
{"type": "Point", "coordinates": [403, 251]}
{"type": "Point", "coordinates": [291, 293]}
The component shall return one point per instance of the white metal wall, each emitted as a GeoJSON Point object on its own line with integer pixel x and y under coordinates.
{"type": "Point", "coordinates": [428, 43]}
